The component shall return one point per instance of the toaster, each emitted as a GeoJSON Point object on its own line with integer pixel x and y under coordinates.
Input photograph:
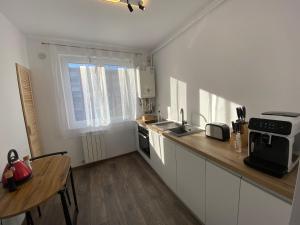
{"type": "Point", "coordinates": [219, 131]}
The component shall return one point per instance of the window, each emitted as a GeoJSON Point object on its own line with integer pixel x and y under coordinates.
{"type": "Point", "coordinates": [77, 92]}
{"type": "Point", "coordinates": [97, 93]}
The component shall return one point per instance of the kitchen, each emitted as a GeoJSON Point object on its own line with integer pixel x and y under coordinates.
{"type": "Point", "coordinates": [200, 65]}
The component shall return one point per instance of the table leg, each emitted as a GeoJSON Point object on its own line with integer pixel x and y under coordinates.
{"type": "Point", "coordinates": [68, 195]}
{"type": "Point", "coordinates": [29, 219]}
{"type": "Point", "coordinates": [73, 190]}
{"type": "Point", "coordinates": [39, 211]}
{"type": "Point", "coordinates": [65, 208]}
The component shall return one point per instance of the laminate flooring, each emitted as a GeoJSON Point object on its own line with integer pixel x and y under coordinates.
{"type": "Point", "coordinates": [119, 191]}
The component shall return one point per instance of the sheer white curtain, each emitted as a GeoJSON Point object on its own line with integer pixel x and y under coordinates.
{"type": "Point", "coordinates": [94, 90]}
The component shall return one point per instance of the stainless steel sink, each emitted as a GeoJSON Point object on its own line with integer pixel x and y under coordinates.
{"type": "Point", "coordinates": [184, 130]}
{"type": "Point", "coordinates": [176, 129]}
{"type": "Point", "coordinates": [166, 125]}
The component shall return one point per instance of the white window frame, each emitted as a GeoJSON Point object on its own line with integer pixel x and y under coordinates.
{"type": "Point", "coordinates": [65, 60]}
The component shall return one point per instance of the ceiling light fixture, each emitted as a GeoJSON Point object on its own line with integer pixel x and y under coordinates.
{"type": "Point", "coordinates": [129, 6]}
{"type": "Point", "coordinates": [141, 5]}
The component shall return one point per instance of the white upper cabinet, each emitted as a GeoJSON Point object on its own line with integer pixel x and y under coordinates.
{"type": "Point", "coordinates": [222, 196]}
{"type": "Point", "coordinates": [191, 181]}
{"type": "Point", "coordinates": [168, 157]}
{"type": "Point", "coordinates": [261, 208]}
{"type": "Point", "coordinates": [145, 82]}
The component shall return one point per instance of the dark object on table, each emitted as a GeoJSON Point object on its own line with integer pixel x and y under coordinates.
{"type": "Point", "coordinates": [241, 114]}
{"type": "Point", "coordinates": [21, 172]}
{"type": "Point", "coordinates": [274, 143]}
{"type": "Point", "coordinates": [52, 178]}
{"type": "Point", "coordinates": [11, 184]}
{"type": "Point", "coordinates": [219, 131]}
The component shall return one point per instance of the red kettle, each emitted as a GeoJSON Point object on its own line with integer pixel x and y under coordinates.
{"type": "Point", "coordinates": [21, 172]}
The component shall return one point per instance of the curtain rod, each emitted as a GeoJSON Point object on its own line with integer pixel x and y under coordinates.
{"type": "Point", "coordinates": [90, 48]}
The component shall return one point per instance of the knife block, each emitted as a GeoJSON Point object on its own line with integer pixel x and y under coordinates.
{"type": "Point", "coordinates": [244, 136]}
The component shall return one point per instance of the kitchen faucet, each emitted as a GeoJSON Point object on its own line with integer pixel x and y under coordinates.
{"type": "Point", "coordinates": [182, 117]}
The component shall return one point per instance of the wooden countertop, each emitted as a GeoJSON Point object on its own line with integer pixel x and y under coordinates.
{"type": "Point", "coordinates": [223, 154]}
{"type": "Point", "coordinates": [49, 177]}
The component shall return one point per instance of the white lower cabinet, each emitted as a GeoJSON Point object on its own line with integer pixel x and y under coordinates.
{"type": "Point", "coordinates": [155, 153]}
{"type": "Point", "coordinates": [222, 196]}
{"type": "Point", "coordinates": [191, 181]}
{"type": "Point", "coordinates": [137, 137]}
{"type": "Point", "coordinates": [215, 196]}
{"type": "Point", "coordinates": [168, 159]}
{"type": "Point", "coordinates": [261, 208]}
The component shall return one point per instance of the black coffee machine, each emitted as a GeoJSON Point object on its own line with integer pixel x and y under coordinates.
{"type": "Point", "coordinates": [274, 142]}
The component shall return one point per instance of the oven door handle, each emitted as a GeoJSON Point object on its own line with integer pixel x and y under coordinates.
{"type": "Point", "coordinates": [143, 136]}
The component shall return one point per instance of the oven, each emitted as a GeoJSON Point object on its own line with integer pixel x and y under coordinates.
{"type": "Point", "coordinates": [144, 140]}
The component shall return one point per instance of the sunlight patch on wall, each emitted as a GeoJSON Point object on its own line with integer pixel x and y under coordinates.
{"type": "Point", "coordinates": [173, 100]}
{"type": "Point", "coordinates": [178, 99]}
{"type": "Point", "coordinates": [213, 108]}
{"type": "Point", "coordinates": [182, 98]}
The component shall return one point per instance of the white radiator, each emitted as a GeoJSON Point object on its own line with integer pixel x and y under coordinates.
{"type": "Point", "coordinates": [93, 146]}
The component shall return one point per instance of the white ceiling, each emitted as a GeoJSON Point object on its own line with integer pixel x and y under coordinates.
{"type": "Point", "coordinates": [102, 22]}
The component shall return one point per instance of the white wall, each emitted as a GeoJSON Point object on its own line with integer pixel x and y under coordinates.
{"type": "Point", "coordinates": [12, 127]}
{"type": "Point", "coordinates": [244, 52]}
{"type": "Point", "coordinates": [118, 141]}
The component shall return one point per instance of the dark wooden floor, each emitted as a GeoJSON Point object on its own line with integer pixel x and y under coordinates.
{"type": "Point", "coordinates": [120, 191]}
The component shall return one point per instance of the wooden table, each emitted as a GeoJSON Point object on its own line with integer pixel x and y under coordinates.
{"type": "Point", "coordinates": [50, 175]}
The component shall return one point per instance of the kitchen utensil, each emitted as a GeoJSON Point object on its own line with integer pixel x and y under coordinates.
{"type": "Point", "coordinates": [21, 172]}
{"type": "Point", "coordinates": [238, 113]}
{"type": "Point", "coordinates": [11, 184]}
{"type": "Point", "coordinates": [149, 118]}
{"type": "Point", "coordinates": [241, 114]}
{"type": "Point", "coordinates": [273, 137]}
{"type": "Point", "coordinates": [219, 131]}
{"type": "Point", "coordinates": [244, 112]}
{"type": "Point", "coordinates": [234, 127]}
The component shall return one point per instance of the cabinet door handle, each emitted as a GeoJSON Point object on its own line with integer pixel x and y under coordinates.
{"type": "Point", "coordinates": [143, 136]}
